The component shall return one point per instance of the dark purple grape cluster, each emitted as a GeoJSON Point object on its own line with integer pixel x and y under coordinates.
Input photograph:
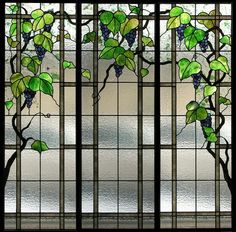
{"type": "Point", "coordinates": [26, 37]}
{"type": "Point", "coordinates": [204, 43]}
{"type": "Point", "coordinates": [47, 27]}
{"type": "Point", "coordinates": [118, 69]}
{"type": "Point", "coordinates": [196, 80]}
{"type": "Point", "coordinates": [29, 95]}
{"type": "Point", "coordinates": [180, 31]}
{"type": "Point", "coordinates": [105, 31]}
{"type": "Point", "coordinates": [130, 37]}
{"type": "Point", "coordinates": [40, 51]}
{"type": "Point", "coordinates": [207, 122]}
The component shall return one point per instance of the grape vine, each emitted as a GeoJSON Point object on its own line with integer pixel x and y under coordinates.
{"type": "Point", "coordinates": [36, 31]}
{"type": "Point", "coordinates": [205, 82]}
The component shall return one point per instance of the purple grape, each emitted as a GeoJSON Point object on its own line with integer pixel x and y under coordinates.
{"type": "Point", "coordinates": [47, 27]}
{"type": "Point", "coordinates": [180, 31]}
{"type": "Point", "coordinates": [105, 31]}
{"type": "Point", "coordinates": [29, 95]}
{"type": "Point", "coordinates": [118, 70]}
{"type": "Point", "coordinates": [130, 37]}
{"type": "Point", "coordinates": [40, 51]}
{"type": "Point", "coordinates": [196, 80]}
{"type": "Point", "coordinates": [204, 43]}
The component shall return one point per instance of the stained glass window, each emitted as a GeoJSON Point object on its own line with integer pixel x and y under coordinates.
{"type": "Point", "coordinates": [117, 116]}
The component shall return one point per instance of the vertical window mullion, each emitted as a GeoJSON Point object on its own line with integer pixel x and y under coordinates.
{"type": "Point", "coordinates": [173, 128]}
{"type": "Point", "coordinates": [140, 124]}
{"type": "Point", "coordinates": [95, 120]}
{"type": "Point", "coordinates": [18, 124]}
{"type": "Point", "coordinates": [217, 123]}
{"type": "Point", "coordinates": [62, 122]}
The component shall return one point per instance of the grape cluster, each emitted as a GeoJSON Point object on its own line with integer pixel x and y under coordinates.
{"type": "Point", "coordinates": [26, 36]}
{"type": "Point", "coordinates": [196, 80]}
{"type": "Point", "coordinates": [29, 95]}
{"type": "Point", "coordinates": [204, 43]}
{"type": "Point", "coordinates": [180, 31]}
{"type": "Point", "coordinates": [47, 27]}
{"type": "Point", "coordinates": [105, 31]}
{"type": "Point", "coordinates": [130, 37]}
{"type": "Point", "coordinates": [40, 51]}
{"type": "Point", "coordinates": [206, 123]}
{"type": "Point", "coordinates": [118, 69]}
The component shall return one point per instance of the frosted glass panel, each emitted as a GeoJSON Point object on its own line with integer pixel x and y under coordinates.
{"type": "Point", "coordinates": [166, 196]}
{"type": "Point", "coordinates": [87, 196]}
{"type": "Point", "coordinates": [107, 197]}
{"type": "Point", "coordinates": [128, 197]}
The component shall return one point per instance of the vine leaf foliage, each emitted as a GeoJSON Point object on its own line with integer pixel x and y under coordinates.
{"type": "Point", "coordinates": [221, 64]}
{"type": "Point", "coordinates": [42, 83]}
{"type": "Point", "coordinates": [41, 19]}
{"type": "Point", "coordinates": [187, 68]}
{"type": "Point", "coordinates": [209, 90]}
{"type": "Point", "coordinates": [192, 36]}
{"type": "Point", "coordinates": [32, 63]}
{"type": "Point", "coordinates": [9, 104]}
{"type": "Point", "coordinates": [39, 146]}
{"type": "Point", "coordinates": [19, 83]}
{"type": "Point", "coordinates": [113, 21]}
{"type": "Point", "coordinates": [177, 17]}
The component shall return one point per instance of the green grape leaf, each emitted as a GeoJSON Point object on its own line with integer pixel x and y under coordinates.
{"type": "Point", "coordinates": [107, 53]}
{"type": "Point", "coordinates": [207, 130]}
{"type": "Point", "coordinates": [144, 72]}
{"type": "Point", "coordinates": [176, 11]}
{"type": "Point", "coordinates": [89, 37]}
{"type": "Point", "coordinates": [129, 54]}
{"type": "Point", "coordinates": [147, 41]}
{"type": "Point", "coordinates": [192, 36]}
{"type": "Point", "coordinates": [118, 51]}
{"type": "Point", "coordinates": [120, 16]}
{"type": "Point", "coordinates": [134, 9]}
{"type": "Point", "coordinates": [42, 83]}
{"type": "Point", "coordinates": [191, 116]}
{"type": "Point", "coordinates": [39, 146]}
{"type": "Point", "coordinates": [32, 63]}
{"type": "Point", "coordinates": [201, 113]}
{"type": "Point", "coordinates": [106, 17]}
{"type": "Point", "coordinates": [128, 25]}
{"type": "Point", "coordinates": [221, 63]}
{"type": "Point", "coordinates": [224, 100]}
{"type": "Point", "coordinates": [192, 105]}
{"type": "Point", "coordinates": [187, 68]}
{"type": "Point", "coordinates": [19, 83]}
{"type": "Point", "coordinates": [37, 13]}
{"type": "Point", "coordinates": [130, 64]}
{"type": "Point", "coordinates": [11, 42]}
{"type": "Point", "coordinates": [185, 18]}
{"type": "Point", "coordinates": [68, 36]}
{"type": "Point", "coordinates": [114, 26]}
{"type": "Point", "coordinates": [41, 19]}
{"type": "Point", "coordinates": [173, 22]}
{"type": "Point", "coordinates": [12, 30]}
{"type": "Point", "coordinates": [121, 60]}
{"type": "Point", "coordinates": [68, 64]}
{"type": "Point", "coordinates": [209, 90]}
{"type": "Point", "coordinates": [9, 104]}
{"type": "Point", "coordinates": [208, 23]}
{"type": "Point", "coordinates": [212, 138]}
{"type": "Point", "coordinates": [111, 43]}
{"type": "Point", "coordinates": [86, 74]}
{"type": "Point", "coordinates": [44, 40]}
{"type": "Point", "coordinates": [226, 40]}
{"type": "Point", "coordinates": [27, 27]}
{"type": "Point", "coordinates": [14, 8]}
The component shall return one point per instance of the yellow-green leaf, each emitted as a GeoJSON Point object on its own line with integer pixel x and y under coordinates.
{"type": "Point", "coordinates": [128, 25]}
{"type": "Point", "coordinates": [86, 74]}
{"type": "Point", "coordinates": [221, 63]}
